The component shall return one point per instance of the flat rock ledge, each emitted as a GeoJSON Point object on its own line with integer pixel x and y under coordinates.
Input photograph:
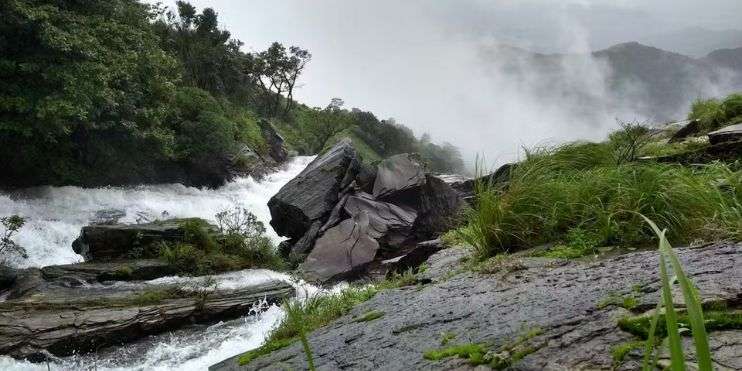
{"type": "Point", "coordinates": [557, 302]}
{"type": "Point", "coordinates": [65, 321]}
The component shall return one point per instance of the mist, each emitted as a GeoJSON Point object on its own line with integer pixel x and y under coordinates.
{"type": "Point", "coordinates": [449, 69]}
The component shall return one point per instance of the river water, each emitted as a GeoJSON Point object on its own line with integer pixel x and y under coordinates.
{"type": "Point", "coordinates": [56, 214]}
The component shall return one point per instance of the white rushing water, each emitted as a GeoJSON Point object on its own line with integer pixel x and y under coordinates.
{"type": "Point", "coordinates": [55, 216]}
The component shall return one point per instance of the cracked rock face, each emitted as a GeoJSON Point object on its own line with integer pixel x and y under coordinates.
{"type": "Point", "coordinates": [558, 298]}
{"type": "Point", "coordinates": [343, 250]}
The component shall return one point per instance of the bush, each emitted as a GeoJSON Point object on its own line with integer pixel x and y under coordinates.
{"type": "Point", "coordinates": [558, 191]}
{"type": "Point", "coordinates": [11, 225]}
{"type": "Point", "coordinates": [713, 114]}
{"type": "Point", "coordinates": [238, 242]}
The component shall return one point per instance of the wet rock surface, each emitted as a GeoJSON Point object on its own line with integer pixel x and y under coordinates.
{"type": "Point", "coordinates": [314, 192]}
{"type": "Point", "coordinates": [396, 175]}
{"type": "Point", "coordinates": [343, 250]}
{"type": "Point", "coordinates": [556, 302]}
{"type": "Point", "coordinates": [60, 321]}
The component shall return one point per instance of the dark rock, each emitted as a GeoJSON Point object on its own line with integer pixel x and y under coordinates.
{"type": "Point", "coordinates": [499, 178]}
{"type": "Point", "coordinates": [28, 281]}
{"type": "Point", "coordinates": [124, 241]}
{"type": "Point", "coordinates": [276, 149]}
{"type": "Point", "coordinates": [389, 224]}
{"type": "Point", "coordinates": [731, 133]}
{"type": "Point", "coordinates": [439, 207]}
{"type": "Point", "coordinates": [304, 245]}
{"type": "Point", "coordinates": [7, 276]}
{"type": "Point", "coordinates": [561, 301]}
{"type": "Point", "coordinates": [72, 321]}
{"type": "Point", "coordinates": [692, 127]}
{"type": "Point", "coordinates": [414, 257]}
{"type": "Point", "coordinates": [127, 270]}
{"type": "Point", "coordinates": [366, 178]}
{"type": "Point", "coordinates": [396, 176]}
{"type": "Point", "coordinates": [344, 250]}
{"type": "Point", "coordinates": [723, 151]}
{"type": "Point", "coordinates": [314, 192]}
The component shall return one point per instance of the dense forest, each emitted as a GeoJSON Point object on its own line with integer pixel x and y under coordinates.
{"type": "Point", "coordinates": [119, 92]}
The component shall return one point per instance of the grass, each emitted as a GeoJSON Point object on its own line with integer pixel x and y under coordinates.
{"type": "Point", "coordinates": [620, 351]}
{"type": "Point", "coordinates": [479, 354]}
{"type": "Point", "coordinates": [314, 313]}
{"type": "Point", "coordinates": [694, 312]}
{"type": "Point", "coordinates": [576, 195]}
{"type": "Point", "coordinates": [370, 316]}
{"type": "Point", "coordinates": [205, 250]}
{"type": "Point", "coordinates": [713, 113]}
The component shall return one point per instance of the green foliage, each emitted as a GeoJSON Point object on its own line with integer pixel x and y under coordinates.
{"type": "Point", "coordinates": [693, 310]}
{"type": "Point", "coordinates": [11, 225]}
{"type": "Point", "coordinates": [620, 351]}
{"type": "Point", "coordinates": [314, 312]}
{"type": "Point", "coordinates": [239, 243]}
{"type": "Point", "coordinates": [295, 316]}
{"type": "Point", "coordinates": [370, 316]}
{"type": "Point", "coordinates": [579, 187]}
{"type": "Point", "coordinates": [473, 352]}
{"type": "Point", "coordinates": [150, 297]}
{"type": "Point", "coordinates": [477, 354]}
{"type": "Point", "coordinates": [713, 113]}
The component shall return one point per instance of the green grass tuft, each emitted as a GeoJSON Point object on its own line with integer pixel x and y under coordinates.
{"type": "Point", "coordinates": [370, 316]}
{"type": "Point", "coordinates": [577, 190]}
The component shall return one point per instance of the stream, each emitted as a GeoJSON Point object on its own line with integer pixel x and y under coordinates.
{"type": "Point", "coordinates": [56, 214]}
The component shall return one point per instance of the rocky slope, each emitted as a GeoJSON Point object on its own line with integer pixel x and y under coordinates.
{"type": "Point", "coordinates": [537, 313]}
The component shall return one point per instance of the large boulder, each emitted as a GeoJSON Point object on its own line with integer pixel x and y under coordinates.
{"type": "Point", "coordinates": [343, 250]}
{"type": "Point", "coordinates": [731, 133]}
{"type": "Point", "coordinates": [691, 127]}
{"type": "Point", "coordinates": [396, 176]}
{"type": "Point", "coordinates": [389, 224]}
{"type": "Point", "coordinates": [124, 241]}
{"type": "Point", "coordinates": [311, 195]}
{"type": "Point", "coordinates": [438, 207]}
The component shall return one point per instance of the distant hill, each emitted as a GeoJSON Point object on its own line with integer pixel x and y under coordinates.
{"type": "Point", "coordinates": [622, 80]}
{"type": "Point", "coordinates": [695, 41]}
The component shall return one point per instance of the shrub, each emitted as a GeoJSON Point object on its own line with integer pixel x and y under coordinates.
{"type": "Point", "coordinates": [11, 225]}
{"type": "Point", "coordinates": [713, 114]}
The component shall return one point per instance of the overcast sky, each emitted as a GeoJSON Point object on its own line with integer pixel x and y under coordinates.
{"type": "Point", "coordinates": [420, 61]}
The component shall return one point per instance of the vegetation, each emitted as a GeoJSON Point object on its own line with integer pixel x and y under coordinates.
{"type": "Point", "coordinates": [478, 354]}
{"type": "Point", "coordinates": [370, 316]}
{"type": "Point", "coordinates": [11, 225]}
{"type": "Point", "coordinates": [713, 113]}
{"type": "Point", "coordinates": [313, 313]}
{"type": "Point", "coordinates": [239, 243]}
{"type": "Point", "coordinates": [585, 195]}
{"type": "Point", "coordinates": [122, 92]}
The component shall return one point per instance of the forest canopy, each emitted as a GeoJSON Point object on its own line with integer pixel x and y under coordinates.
{"type": "Point", "coordinates": [120, 92]}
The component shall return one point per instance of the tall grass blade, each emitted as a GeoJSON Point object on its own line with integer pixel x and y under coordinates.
{"type": "Point", "coordinates": [295, 314]}
{"type": "Point", "coordinates": [692, 303]}
{"type": "Point", "coordinates": [649, 347]}
{"type": "Point", "coordinates": [671, 321]}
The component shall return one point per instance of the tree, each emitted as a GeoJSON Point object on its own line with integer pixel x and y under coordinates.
{"type": "Point", "coordinates": [277, 71]}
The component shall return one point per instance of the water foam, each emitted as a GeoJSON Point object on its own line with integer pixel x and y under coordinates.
{"type": "Point", "coordinates": [56, 214]}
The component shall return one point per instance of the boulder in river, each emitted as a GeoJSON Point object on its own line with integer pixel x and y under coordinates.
{"type": "Point", "coordinates": [124, 241]}
{"type": "Point", "coordinates": [342, 251]}
{"type": "Point", "coordinates": [312, 194]}
{"type": "Point", "coordinates": [396, 175]}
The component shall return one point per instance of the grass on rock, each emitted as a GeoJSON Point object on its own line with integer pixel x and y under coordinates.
{"type": "Point", "coordinates": [578, 196]}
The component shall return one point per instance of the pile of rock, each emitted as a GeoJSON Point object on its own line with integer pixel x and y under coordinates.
{"type": "Point", "coordinates": [341, 215]}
